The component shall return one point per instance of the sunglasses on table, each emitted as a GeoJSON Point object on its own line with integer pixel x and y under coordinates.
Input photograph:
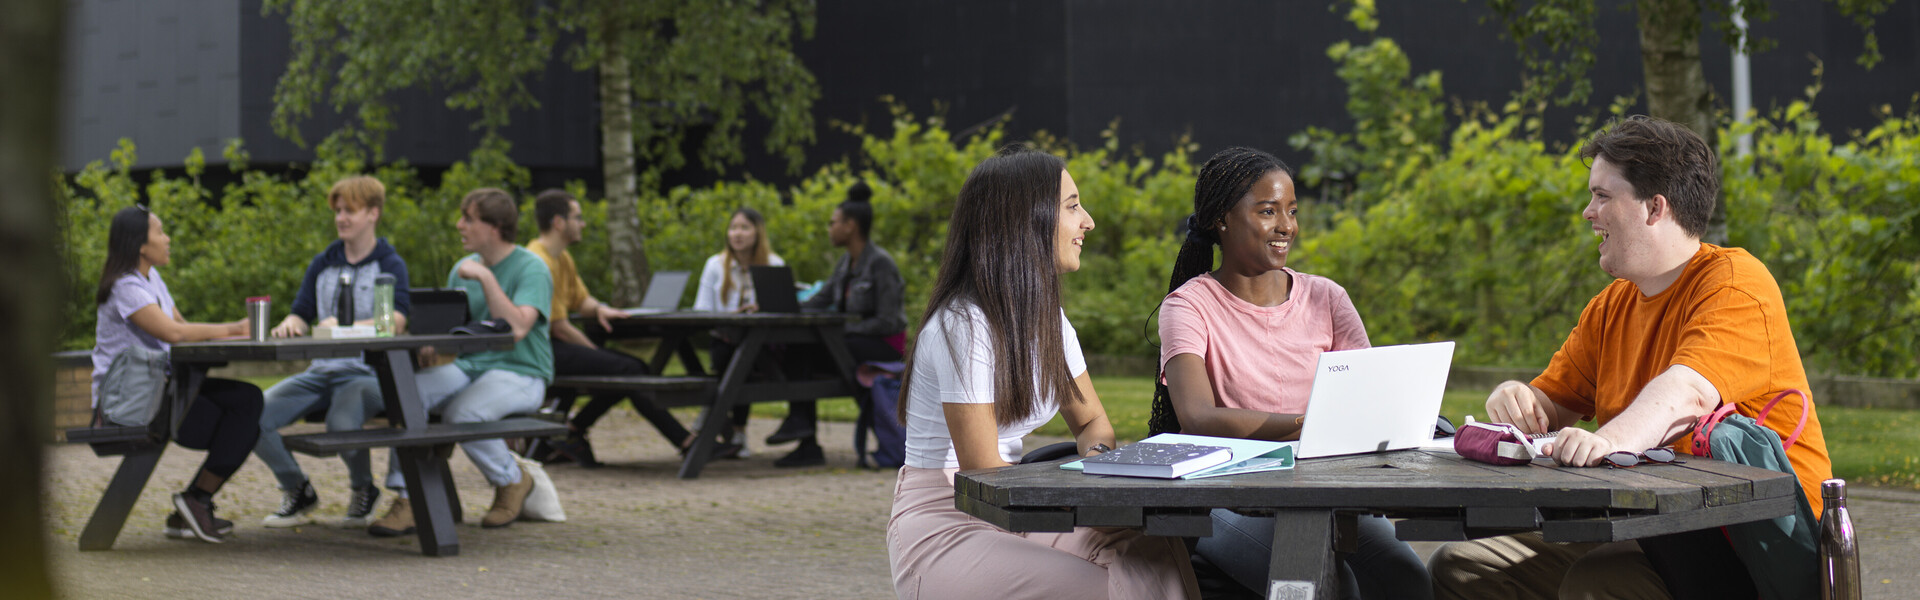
{"type": "Point", "coordinates": [1628, 460]}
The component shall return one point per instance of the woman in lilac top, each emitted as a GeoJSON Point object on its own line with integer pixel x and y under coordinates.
{"type": "Point", "coordinates": [1239, 346]}
{"type": "Point", "coordinates": [134, 307]}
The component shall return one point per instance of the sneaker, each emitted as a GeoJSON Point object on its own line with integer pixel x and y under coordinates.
{"type": "Point", "coordinates": [198, 515]}
{"type": "Point", "coordinates": [791, 429]}
{"type": "Point", "coordinates": [507, 501]}
{"type": "Point", "coordinates": [360, 509]}
{"type": "Point", "coordinates": [808, 454]}
{"type": "Point", "coordinates": [737, 437]}
{"type": "Point", "coordinates": [397, 522]}
{"type": "Point", "coordinates": [177, 527]}
{"type": "Point", "coordinates": [296, 508]}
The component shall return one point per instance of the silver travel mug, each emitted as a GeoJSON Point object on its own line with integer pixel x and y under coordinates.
{"type": "Point", "coordinates": [259, 310]}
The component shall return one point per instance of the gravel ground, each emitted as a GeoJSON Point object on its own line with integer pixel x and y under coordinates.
{"type": "Point", "coordinates": [744, 529]}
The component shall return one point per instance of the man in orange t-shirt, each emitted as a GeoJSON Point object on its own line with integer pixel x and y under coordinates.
{"type": "Point", "coordinates": [1686, 327]}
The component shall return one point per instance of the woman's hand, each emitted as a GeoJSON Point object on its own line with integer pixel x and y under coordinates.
{"type": "Point", "coordinates": [238, 328]}
{"type": "Point", "coordinates": [748, 308]}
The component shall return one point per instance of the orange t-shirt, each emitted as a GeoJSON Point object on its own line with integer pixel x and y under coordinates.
{"type": "Point", "coordinates": [569, 292]}
{"type": "Point", "coordinates": [1725, 319]}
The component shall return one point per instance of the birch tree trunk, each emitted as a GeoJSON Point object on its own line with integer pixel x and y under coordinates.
{"type": "Point", "coordinates": [1676, 85]}
{"type": "Point", "coordinates": [627, 255]}
{"type": "Point", "coordinates": [31, 44]}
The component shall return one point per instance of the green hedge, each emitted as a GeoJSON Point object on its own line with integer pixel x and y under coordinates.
{"type": "Point", "coordinates": [1475, 237]}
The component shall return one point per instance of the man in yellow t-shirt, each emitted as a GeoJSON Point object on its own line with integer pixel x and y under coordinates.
{"type": "Point", "coordinates": [573, 352]}
{"type": "Point", "coordinates": [1685, 327]}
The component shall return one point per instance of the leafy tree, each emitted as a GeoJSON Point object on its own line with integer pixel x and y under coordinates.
{"type": "Point", "coordinates": [1556, 38]}
{"type": "Point", "coordinates": [668, 70]}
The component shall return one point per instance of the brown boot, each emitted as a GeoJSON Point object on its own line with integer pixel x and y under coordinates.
{"type": "Point", "coordinates": [507, 500]}
{"type": "Point", "coordinates": [398, 521]}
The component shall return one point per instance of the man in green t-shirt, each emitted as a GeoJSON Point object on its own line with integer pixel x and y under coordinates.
{"type": "Point", "coordinates": [506, 283]}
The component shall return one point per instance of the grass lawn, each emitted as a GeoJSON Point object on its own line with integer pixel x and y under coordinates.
{"type": "Point", "coordinates": [1876, 447]}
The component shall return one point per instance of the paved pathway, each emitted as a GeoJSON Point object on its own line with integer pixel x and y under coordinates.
{"type": "Point", "coordinates": [743, 530]}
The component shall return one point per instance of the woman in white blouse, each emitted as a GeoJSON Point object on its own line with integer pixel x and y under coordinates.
{"type": "Point", "coordinates": [724, 283]}
{"type": "Point", "coordinates": [725, 286]}
{"type": "Point", "coordinates": [985, 371]}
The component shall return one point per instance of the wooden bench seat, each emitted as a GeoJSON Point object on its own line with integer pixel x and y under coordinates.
{"type": "Point", "coordinates": [666, 391]}
{"type": "Point", "coordinates": [113, 441]}
{"type": "Point", "coordinates": [329, 443]}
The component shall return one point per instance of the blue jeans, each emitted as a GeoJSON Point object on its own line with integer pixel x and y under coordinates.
{"type": "Point", "coordinates": [347, 396]}
{"type": "Point", "coordinates": [1381, 567]}
{"type": "Point", "coordinates": [460, 397]}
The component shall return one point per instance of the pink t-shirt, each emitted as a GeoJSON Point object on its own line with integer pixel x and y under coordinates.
{"type": "Point", "coordinates": [1260, 357]}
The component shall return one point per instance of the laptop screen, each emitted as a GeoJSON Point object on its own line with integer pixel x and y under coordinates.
{"type": "Point", "coordinates": [663, 293]}
{"type": "Point", "coordinates": [773, 289]}
{"type": "Point", "coordinates": [436, 310]}
{"type": "Point", "coordinates": [1375, 399]}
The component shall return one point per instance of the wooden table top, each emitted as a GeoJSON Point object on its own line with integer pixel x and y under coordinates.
{"type": "Point", "coordinates": [308, 348]}
{"type": "Point", "coordinates": [1408, 483]}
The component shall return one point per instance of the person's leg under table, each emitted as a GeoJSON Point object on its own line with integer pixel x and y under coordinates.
{"type": "Point", "coordinates": [1509, 567]}
{"type": "Point", "coordinates": [285, 403]}
{"type": "Point", "coordinates": [356, 397]}
{"type": "Point", "coordinates": [493, 396]}
{"type": "Point", "coordinates": [803, 416]}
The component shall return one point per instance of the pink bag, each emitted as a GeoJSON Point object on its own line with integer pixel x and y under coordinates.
{"type": "Point", "coordinates": [1494, 444]}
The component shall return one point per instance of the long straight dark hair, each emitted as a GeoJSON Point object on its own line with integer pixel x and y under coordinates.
{"type": "Point", "coordinates": [124, 238]}
{"type": "Point", "coordinates": [1221, 183]}
{"type": "Point", "coordinates": [1000, 257]}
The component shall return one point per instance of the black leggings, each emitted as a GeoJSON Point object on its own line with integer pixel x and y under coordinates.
{"type": "Point", "coordinates": [225, 422]}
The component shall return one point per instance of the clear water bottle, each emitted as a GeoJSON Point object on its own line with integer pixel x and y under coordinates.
{"type": "Point", "coordinates": [383, 305]}
{"type": "Point", "coordinates": [1839, 556]}
{"type": "Point", "coordinates": [343, 300]}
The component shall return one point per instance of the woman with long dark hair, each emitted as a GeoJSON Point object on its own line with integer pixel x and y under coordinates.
{"type": "Point", "coordinates": [1239, 345]}
{"type": "Point", "coordinates": [133, 307]}
{"type": "Point", "coordinates": [987, 370]}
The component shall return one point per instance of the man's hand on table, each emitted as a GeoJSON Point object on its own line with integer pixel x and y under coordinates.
{"type": "Point", "coordinates": [1576, 447]}
{"type": "Point", "coordinates": [1514, 402]}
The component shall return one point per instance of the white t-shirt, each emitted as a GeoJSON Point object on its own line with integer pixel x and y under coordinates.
{"type": "Point", "coordinates": [707, 297]}
{"type": "Point", "coordinates": [939, 378]}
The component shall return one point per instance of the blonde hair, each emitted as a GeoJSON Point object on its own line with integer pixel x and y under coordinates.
{"type": "Point", "coordinates": [358, 193]}
{"type": "Point", "coordinates": [762, 249]}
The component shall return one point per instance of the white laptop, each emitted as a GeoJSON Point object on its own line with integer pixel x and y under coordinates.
{"type": "Point", "coordinates": [663, 293]}
{"type": "Point", "coordinates": [1375, 400]}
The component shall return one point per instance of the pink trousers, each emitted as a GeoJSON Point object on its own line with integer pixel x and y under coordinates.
{"type": "Point", "coordinates": [939, 552]}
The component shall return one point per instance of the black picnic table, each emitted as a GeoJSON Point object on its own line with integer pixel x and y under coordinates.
{"type": "Point", "coordinates": [429, 483]}
{"type": "Point", "coordinates": [754, 334]}
{"type": "Point", "coordinates": [1441, 496]}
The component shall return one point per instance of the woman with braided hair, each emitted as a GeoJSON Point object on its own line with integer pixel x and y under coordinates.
{"type": "Point", "coordinates": [1239, 346]}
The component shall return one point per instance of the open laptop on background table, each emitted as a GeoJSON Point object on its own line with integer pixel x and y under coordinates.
{"type": "Point", "coordinates": [773, 289]}
{"type": "Point", "coordinates": [1375, 400]}
{"type": "Point", "coordinates": [436, 310]}
{"type": "Point", "coordinates": [663, 293]}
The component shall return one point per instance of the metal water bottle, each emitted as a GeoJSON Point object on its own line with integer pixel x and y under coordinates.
{"type": "Point", "coordinates": [1839, 556]}
{"type": "Point", "coordinates": [383, 305]}
{"type": "Point", "coordinates": [343, 300]}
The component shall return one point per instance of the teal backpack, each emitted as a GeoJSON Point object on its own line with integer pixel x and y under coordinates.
{"type": "Point", "coordinates": [1782, 555]}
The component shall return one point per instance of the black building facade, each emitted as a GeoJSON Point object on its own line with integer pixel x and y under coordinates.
{"type": "Point", "coordinates": [178, 74]}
